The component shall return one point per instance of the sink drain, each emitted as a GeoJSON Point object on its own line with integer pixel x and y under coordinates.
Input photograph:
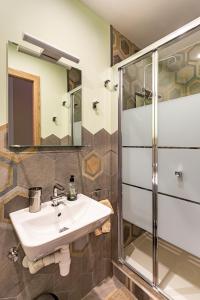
{"type": "Point", "coordinates": [63, 229]}
{"type": "Point", "coordinates": [46, 296]}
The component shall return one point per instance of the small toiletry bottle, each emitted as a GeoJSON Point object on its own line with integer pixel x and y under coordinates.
{"type": "Point", "coordinates": [72, 195]}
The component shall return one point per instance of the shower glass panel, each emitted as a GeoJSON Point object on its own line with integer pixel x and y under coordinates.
{"type": "Point", "coordinates": [179, 168]}
{"type": "Point", "coordinates": [136, 128]}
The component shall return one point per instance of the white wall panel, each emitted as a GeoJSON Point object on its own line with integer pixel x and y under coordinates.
{"type": "Point", "coordinates": [178, 122]}
{"type": "Point", "coordinates": [136, 126]}
{"type": "Point", "coordinates": [179, 223]}
{"type": "Point", "coordinates": [137, 207]}
{"type": "Point", "coordinates": [136, 166]}
{"type": "Point", "coordinates": [185, 160]}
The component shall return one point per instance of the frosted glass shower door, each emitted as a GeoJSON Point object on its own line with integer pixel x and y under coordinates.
{"type": "Point", "coordinates": [136, 129]}
{"type": "Point", "coordinates": [179, 169]}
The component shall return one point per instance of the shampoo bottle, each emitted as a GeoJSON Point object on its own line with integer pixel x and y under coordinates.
{"type": "Point", "coordinates": [72, 195]}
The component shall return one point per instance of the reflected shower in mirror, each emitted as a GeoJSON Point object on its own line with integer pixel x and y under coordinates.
{"type": "Point", "coordinates": [44, 100]}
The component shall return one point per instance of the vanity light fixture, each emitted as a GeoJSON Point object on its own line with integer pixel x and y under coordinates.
{"type": "Point", "coordinates": [49, 52]}
{"type": "Point", "coordinates": [26, 50]}
{"type": "Point", "coordinates": [39, 54]}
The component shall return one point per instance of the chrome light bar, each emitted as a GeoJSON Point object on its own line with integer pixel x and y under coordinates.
{"type": "Point", "coordinates": [48, 50]}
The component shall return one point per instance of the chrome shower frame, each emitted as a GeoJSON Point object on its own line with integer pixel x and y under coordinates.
{"type": "Point", "coordinates": [153, 51]}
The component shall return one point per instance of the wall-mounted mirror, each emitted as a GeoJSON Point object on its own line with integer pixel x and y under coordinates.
{"type": "Point", "coordinates": [44, 100]}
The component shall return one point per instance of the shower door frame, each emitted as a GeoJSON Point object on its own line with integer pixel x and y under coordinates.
{"type": "Point", "coordinates": [151, 50]}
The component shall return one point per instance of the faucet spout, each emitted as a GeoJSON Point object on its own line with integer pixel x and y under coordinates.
{"type": "Point", "coordinates": [56, 197]}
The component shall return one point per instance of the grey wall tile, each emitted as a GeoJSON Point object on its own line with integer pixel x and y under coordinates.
{"type": "Point", "coordinates": [38, 284]}
{"type": "Point", "coordinates": [90, 255]}
{"type": "Point", "coordinates": [14, 204]}
{"type": "Point", "coordinates": [37, 170]}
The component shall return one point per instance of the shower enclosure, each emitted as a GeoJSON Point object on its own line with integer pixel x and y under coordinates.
{"type": "Point", "coordinates": [159, 163]}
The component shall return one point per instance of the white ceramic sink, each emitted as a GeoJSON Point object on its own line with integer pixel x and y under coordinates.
{"type": "Point", "coordinates": [44, 232]}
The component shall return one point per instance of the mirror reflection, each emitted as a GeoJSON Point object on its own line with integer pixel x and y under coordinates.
{"type": "Point", "coordinates": [44, 100]}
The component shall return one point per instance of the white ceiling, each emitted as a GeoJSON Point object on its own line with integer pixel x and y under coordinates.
{"type": "Point", "coordinates": [145, 21]}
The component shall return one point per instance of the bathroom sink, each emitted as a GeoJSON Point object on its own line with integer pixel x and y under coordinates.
{"type": "Point", "coordinates": [51, 228]}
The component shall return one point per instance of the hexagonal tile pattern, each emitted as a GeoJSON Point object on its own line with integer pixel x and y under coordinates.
{"type": "Point", "coordinates": [6, 176]}
{"type": "Point", "coordinates": [117, 57]}
{"type": "Point", "coordinates": [185, 74]}
{"type": "Point", "coordinates": [194, 86]}
{"type": "Point", "coordinates": [36, 170]}
{"type": "Point", "coordinates": [92, 165]}
{"type": "Point", "coordinates": [125, 46]}
{"type": "Point", "coordinates": [194, 53]}
{"type": "Point", "coordinates": [131, 73]}
{"type": "Point", "coordinates": [11, 275]}
{"type": "Point", "coordinates": [44, 168]}
{"type": "Point", "coordinates": [102, 141]}
{"type": "Point", "coordinates": [16, 203]}
{"type": "Point", "coordinates": [176, 62]}
{"type": "Point", "coordinates": [107, 163]}
{"type": "Point", "coordinates": [15, 199]}
{"type": "Point", "coordinates": [198, 70]}
{"type": "Point", "coordinates": [66, 164]}
{"type": "Point", "coordinates": [114, 39]}
{"type": "Point", "coordinates": [5, 152]}
{"type": "Point", "coordinates": [121, 47]}
{"type": "Point", "coordinates": [174, 92]}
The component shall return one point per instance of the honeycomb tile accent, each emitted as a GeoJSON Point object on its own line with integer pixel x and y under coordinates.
{"type": "Point", "coordinates": [117, 58]}
{"type": "Point", "coordinates": [174, 92]}
{"type": "Point", "coordinates": [125, 46]}
{"type": "Point", "coordinates": [92, 165]}
{"type": "Point", "coordinates": [132, 73]}
{"type": "Point", "coordinates": [11, 201]}
{"type": "Point", "coordinates": [198, 71]}
{"type": "Point", "coordinates": [176, 62]}
{"type": "Point", "coordinates": [121, 47]}
{"type": "Point", "coordinates": [107, 163]}
{"type": "Point", "coordinates": [6, 176]}
{"type": "Point", "coordinates": [5, 152]}
{"type": "Point", "coordinates": [102, 142]}
{"type": "Point", "coordinates": [193, 86]}
{"type": "Point", "coordinates": [193, 54]}
{"type": "Point", "coordinates": [185, 74]}
{"type": "Point", "coordinates": [114, 38]}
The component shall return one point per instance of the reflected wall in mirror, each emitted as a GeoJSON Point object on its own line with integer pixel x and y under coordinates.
{"type": "Point", "coordinates": [44, 100]}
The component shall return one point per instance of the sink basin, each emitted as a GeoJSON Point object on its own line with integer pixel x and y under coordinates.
{"type": "Point", "coordinates": [44, 232]}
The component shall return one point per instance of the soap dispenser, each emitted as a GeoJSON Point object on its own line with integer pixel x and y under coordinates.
{"type": "Point", "coordinates": [72, 194]}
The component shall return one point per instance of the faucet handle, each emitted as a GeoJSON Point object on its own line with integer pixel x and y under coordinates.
{"type": "Point", "coordinates": [59, 187]}
{"type": "Point", "coordinates": [178, 174]}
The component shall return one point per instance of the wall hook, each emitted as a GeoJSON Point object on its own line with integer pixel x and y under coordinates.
{"type": "Point", "coordinates": [106, 83]}
{"type": "Point", "coordinates": [110, 86]}
{"type": "Point", "coordinates": [94, 104]}
{"type": "Point", "coordinates": [54, 119]}
{"type": "Point", "coordinates": [115, 87]}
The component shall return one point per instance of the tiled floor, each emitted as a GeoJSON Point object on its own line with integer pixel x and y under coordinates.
{"type": "Point", "coordinates": [179, 271]}
{"type": "Point", "coordinates": [110, 289]}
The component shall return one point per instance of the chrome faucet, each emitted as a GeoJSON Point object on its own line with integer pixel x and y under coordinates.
{"type": "Point", "coordinates": [56, 197]}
